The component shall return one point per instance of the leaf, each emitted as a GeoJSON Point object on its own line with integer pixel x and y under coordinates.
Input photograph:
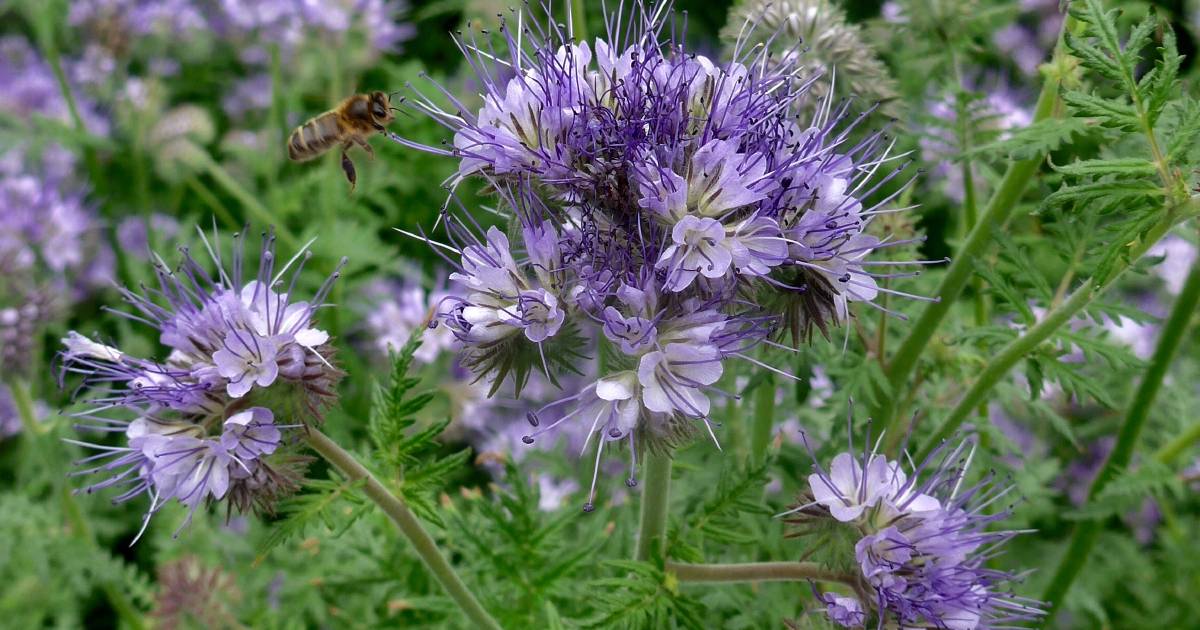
{"type": "Point", "coordinates": [1127, 491]}
{"type": "Point", "coordinates": [1135, 167]}
{"type": "Point", "coordinates": [1110, 113]}
{"type": "Point", "coordinates": [1110, 192]}
{"type": "Point", "coordinates": [1035, 140]}
{"type": "Point", "coordinates": [301, 511]}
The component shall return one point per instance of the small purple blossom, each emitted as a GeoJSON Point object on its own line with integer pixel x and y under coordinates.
{"type": "Point", "coordinates": [923, 539]}
{"type": "Point", "coordinates": [206, 419]}
{"type": "Point", "coordinates": [847, 612]}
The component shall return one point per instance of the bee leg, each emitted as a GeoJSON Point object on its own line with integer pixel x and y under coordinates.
{"type": "Point", "coordinates": [348, 168]}
{"type": "Point", "coordinates": [366, 146]}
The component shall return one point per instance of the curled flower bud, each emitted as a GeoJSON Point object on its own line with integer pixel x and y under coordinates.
{"type": "Point", "coordinates": [242, 356]}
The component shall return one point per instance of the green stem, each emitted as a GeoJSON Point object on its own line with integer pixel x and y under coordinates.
{"type": "Point", "coordinates": [764, 420]}
{"type": "Point", "coordinates": [249, 201]}
{"type": "Point", "coordinates": [1020, 347]}
{"type": "Point", "coordinates": [997, 211]}
{"type": "Point", "coordinates": [652, 532]}
{"type": "Point", "coordinates": [1173, 449]}
{"type": "Point", "coordinates": [400, 514]}
{"type": "Point", "coordinates": [578, 20]}
{"type": "Point", "coordinates": [1083, 539]}
{"type": "Point", "coordinates": [757, 572]}
{"type": "Point", "coordinates": [49, 44]}
{"type": "Point", "coordinates": [23, 400]}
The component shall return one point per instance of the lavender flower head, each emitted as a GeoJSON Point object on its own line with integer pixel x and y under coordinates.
{"type": "Point", "coordinates": [670, 207]}
{"type": "Point", "coordinates": [244, 361]}
{"type": "Point", "coordinates": [924, 538]}
{"type": "Point", "coordinates": [397, 310]}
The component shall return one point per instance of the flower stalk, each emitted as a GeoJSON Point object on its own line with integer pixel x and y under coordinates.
{"type": "Point", "coordinates": [758, 572]}
{"type": "Point", "coordinates": [1016, 178]}
{"type": "Point", "coordinates": [764, 419]}
{"type": "Point", "coordinates": [1086, 533]}
{"type": "Point", "coordinates": [404, 519]}
{"type": "Point", "coordinates": [1020, 347]}
{"type": "Point", "coordinates": [652, 532]}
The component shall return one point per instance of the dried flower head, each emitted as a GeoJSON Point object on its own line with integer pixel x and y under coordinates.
{"type": "Point", "coordinates": [244, 362]}
{"type": "Point", "coordinates": [680, 210]}
{"type": "Point", "coordinates": [193, 595]}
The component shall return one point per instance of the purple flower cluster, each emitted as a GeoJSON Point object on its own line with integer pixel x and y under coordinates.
{"type": "Point", "coordinates": [923, 541]}
{"type": "Point", "coordinates": [397, 310]}
{"type": "Point", "coordinates": [673, 206]}
{"type": "Point", "coordinates": [30, 88]}
{"type": "Point", "coordinates": [243, 356]}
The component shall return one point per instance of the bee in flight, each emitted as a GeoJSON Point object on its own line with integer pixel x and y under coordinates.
{"type": "Point", "coordinates": [352, 122]}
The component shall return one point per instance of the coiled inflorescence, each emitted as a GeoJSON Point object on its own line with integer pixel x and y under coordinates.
{"type": "Point", "coordinates": [924, 538]}
{"type": "Point", "coordinates": [675, 206]}
{"type": "Point", "coordinates": [244, 361]}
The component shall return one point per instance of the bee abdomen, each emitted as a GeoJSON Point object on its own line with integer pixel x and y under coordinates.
{"type": "Point", "coordinates": [313, 137]}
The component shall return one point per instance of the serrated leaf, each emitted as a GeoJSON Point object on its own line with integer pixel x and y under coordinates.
{"type": "Point", "coordinates": [1110, 113]}
{"type": "Point", "coordinates": [1035, 140]}
{"type": "Point", "coordinates": [1134, 167]}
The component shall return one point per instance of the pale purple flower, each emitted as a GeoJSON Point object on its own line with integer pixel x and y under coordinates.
{"type": "Point", "coordinates": [674, 210]}
{"type": "Point", "coordinates": [239, 354]}
{"type": "Point", "coordinates": [397, 309]}
{"type": "Point", "coordinates": [923, 539]}
{"type": "Point", "coordinates": [846, 612]}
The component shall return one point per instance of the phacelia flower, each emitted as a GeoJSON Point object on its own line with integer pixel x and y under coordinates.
{"type": "Point", "coordinates": [674, 210]}
{"type": "Point", "coordinates": [923, 541]}
{"type": "Point", "coordinates": [244, 361]}
{"type": "Point", "coordinates": [846, 612]}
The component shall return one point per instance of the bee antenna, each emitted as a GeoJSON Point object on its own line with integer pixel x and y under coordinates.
{"type": "Point", "coordinates": [391, 94]}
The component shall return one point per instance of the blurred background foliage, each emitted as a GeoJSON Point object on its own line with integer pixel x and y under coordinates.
{"type": "Point", "coordinates": [132, 123]}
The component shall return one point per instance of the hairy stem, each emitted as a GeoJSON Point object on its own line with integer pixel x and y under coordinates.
{"type": "Point", "coordinates": [757, 572]}
{"type": "Point", "coordinates": [412, 529]}
{"type": "Point", "coordinates": [652, 532]}
{"type": "Point", "coordinates": [997, 211]}
{"type": "Point", "coordinates": [1020, 347]}
{"type": "Point", "coordinates": [1083, 539]}
{"type": "Point", "coordinates": [764, 420]}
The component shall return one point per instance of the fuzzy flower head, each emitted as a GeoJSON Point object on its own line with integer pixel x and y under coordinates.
{"type": "Point", "coordinates": [924, 537]}
{"type": "Point", "coordinates": [244, 361]}
{"type": "Point", "coordinates": [834, 52]}
{"type": "Point", "coordinates": [676, 210]}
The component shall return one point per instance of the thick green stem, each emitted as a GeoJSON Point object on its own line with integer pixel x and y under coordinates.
{"type": "Point", "coordinates": [579, 27]}
{"type": "Point", "coordinates": [422, 542]}
{"type": "Point", "coordinates": [757, 572]}
{"type": "Point", "coordinates": [1083, 539]}
{"type": "Point", "coordinates": [997, 211]}
{"type": "Point", "coordinates": [656, 496]}
{"type": "Point", "coordinates": [1020, 347]}
{"type": "Point", "coordinates": [764, 420]}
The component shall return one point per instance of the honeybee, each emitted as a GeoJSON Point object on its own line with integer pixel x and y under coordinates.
{"type": "Point", "coordinates": [351, 123]}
